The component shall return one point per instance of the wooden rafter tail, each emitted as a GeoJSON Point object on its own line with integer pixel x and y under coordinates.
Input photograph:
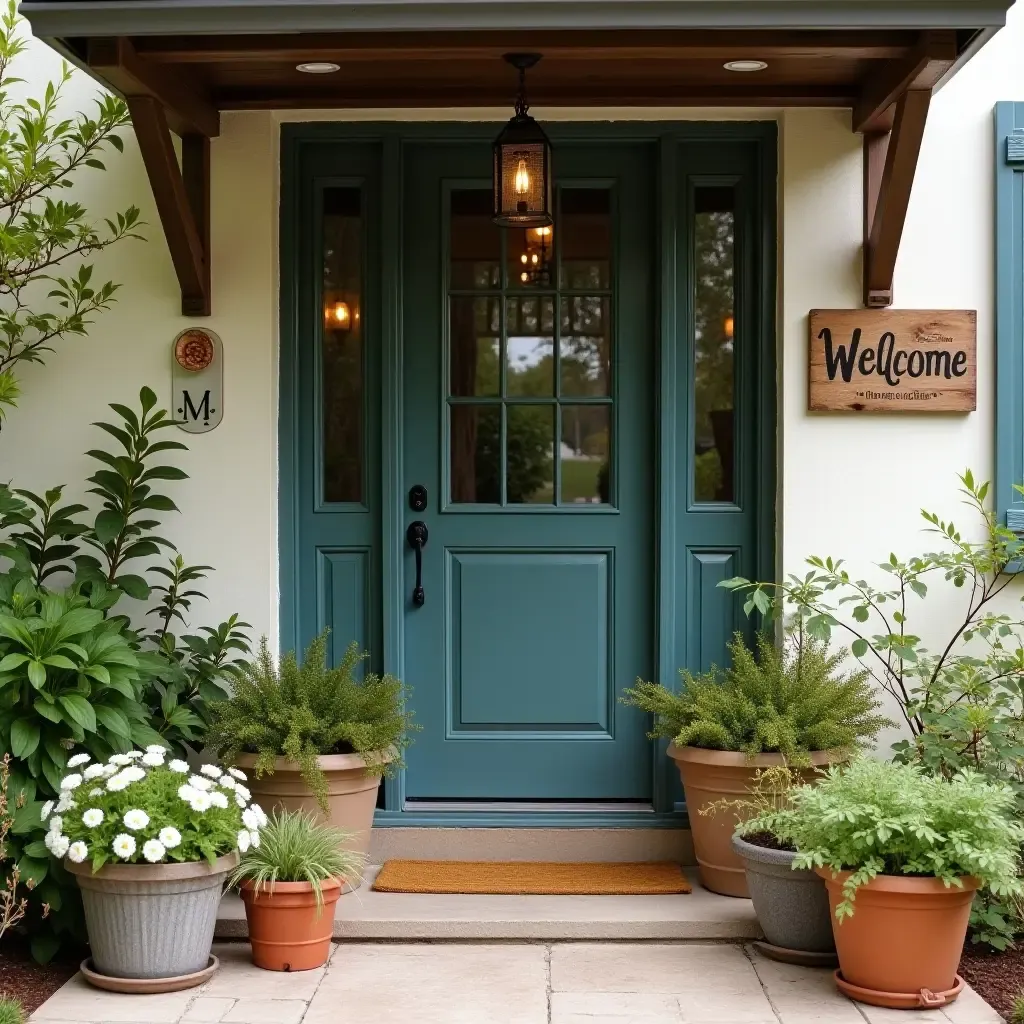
{"type": "Point", "coordinates": [182, 198]}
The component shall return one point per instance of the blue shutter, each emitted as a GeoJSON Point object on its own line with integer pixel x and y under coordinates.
{"type": "Point", "coordinates": [1009, 441]}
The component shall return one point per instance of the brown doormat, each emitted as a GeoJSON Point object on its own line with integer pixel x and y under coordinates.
{"type": "Point", "coordinates": [527, 878]}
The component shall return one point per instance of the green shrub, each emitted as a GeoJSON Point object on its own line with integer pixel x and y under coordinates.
{"type": "Point", "coordinates": [303, 711]}
{"type": "Point", "coordinates": [875, 818]}
{"type": "Point", "coordinates": [787, 701]}
{"type": "Point", "coordinates": [1017, 1012]}
{"type": "Point", "coordinates": [295, 847]}
{"type": "Point", "coordinates": [11, 1011]}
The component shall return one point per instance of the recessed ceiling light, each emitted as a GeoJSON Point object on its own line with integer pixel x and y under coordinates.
{"type": "Point", "coordinates": [745, 65]}
{"type": "Point", "coordinates": [318, 67]}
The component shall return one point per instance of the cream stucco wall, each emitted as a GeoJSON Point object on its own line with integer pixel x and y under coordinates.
{"type": "Point", "coordinates": [849, 485]}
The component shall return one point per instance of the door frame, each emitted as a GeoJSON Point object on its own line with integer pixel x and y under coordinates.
{"type": "Point", "coordinates": [673, 415]}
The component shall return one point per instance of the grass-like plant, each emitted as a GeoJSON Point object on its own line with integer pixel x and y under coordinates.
{"type": "Point", "coordinates": [11, 1011]}
{"type": "Point", "coordinates": [1017, 1012]}
{"type": "Point", "coordinates": [788, 701]}
{"type": "Point", "coordinates": [874, 818]}
{"type": "Point", "coordinates": [295, 847]}
{"type": "Point", "coordinates": [302, 711]}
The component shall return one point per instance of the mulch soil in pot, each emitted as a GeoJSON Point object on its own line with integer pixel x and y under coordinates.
{"type": "Point", "coordinates": [23, 979]}
{"type": "Point", "coordinates": [997, 977]}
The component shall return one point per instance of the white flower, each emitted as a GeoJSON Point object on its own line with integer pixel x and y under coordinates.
{"type": "Point", "coordinates": [179, 766]}
{"type": "Point", "coordinates": [59, 846]}
{"type": "Point", "coordinates": [186, 792]}
{"type": "Point", "coordinates": [93, 817]}
{"type": "Point", "coordinates": [156, 748]}
{"type": "Point", "coordinates": [96, 792]}
{"type": "Point", "coordinates": [212, 770]}
{"type": "Point", "coordinates": [65, 803]}
{"type": "Point", "coordinates": [219, 799]}
{"type": "Point", "coordinates": [94, 771]}
{"type": "Point", "coordinates": [109, 769]}
{"type": "Point", "coordinates": [249, 819]}
{"type": "Point", "coordinates": [200, 802]}
{"type": "Point", "coordinates": [238, 774]}
{"type": "Point", "coordinates": [153, 760]}
{"type": "Point", "coordinates": [198, 782]}
{"type": "Point", "coordinates": [117, 783]}
{"type": "Point", "coordinates": [243, 841]}
{"type": "Point", "coordinates": [47, 807]}
{"type": "Point", "coordinates": [243, 793]}
{"type": "Point", "coordinates": [133, 773]}
{"type": "Point", "coordinates": [254, 838]}
{"type": "Point", "coordinates": [48, 840]}
{"type": "Point", "coordinates": [136, 819]}
{"type": "Point", "coordinates": [70, 782]}
{"type": "Point", "coordinates": [56, 824]}
{"type": "Point", "coordinates": [227, 782]}
{"type": "Point", "coordinates": [74, 762]}
{"type": "Point", "coordinates": [170, 837]}
{"type": "Point", "coordinates": [77, 852]}
{"type": "Point", "coordinates": [261, 815]}
{"type": "Point", "coordinates": [120, 760]}
{"type": "Point", "coordinates": [153, 850]}
{"type": "Point", "coordinates": [134, 755]}
{"type": "Point", "coordinates": [239, 799]}
{"type": "Point", "coordinates": [124, 845]}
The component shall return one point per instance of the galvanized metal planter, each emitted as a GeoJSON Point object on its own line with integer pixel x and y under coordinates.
{"type": "Point", "coordinates": [152, 920]}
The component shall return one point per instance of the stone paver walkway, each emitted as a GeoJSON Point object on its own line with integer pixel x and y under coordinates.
{"type": "Point", "coordinates": [564, 983]}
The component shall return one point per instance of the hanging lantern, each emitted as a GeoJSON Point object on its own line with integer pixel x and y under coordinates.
{"type": "Point", "coordinates": [522, 162]}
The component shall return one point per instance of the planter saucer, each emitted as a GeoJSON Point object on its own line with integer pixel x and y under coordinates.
{"type": "Point", "coordinates": [923, 1000]}
{"type": "Point", "coordinates": [798, 957]}
{"type": "Point", "coordinates": [147, 986]}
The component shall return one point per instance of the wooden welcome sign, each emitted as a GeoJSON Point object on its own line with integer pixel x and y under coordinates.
{"type": "Point", "coordinates": [893, 360]}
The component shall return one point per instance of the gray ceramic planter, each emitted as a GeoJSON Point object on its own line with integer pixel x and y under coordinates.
{"type": "Point", "coordinates": [151, 920]}
{"type": "Point", "coordinates": [791, 906]}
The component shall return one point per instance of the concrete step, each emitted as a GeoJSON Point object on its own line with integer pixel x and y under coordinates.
{"type": "Point", "coordinates": [368, 915]}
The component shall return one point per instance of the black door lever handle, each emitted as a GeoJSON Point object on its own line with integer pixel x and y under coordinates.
{"type": "Point", "coordinates": [417, 536]}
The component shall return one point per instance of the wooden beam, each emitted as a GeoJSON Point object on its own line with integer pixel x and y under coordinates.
{"type": "Point", "coordinates": [182, 198]}
{"type": "Point", "coordinates": [116, 61]}
{"type": "Point", "coordinates": [887, 191]}
{"type": "Point", "coordinates": [934, 54]}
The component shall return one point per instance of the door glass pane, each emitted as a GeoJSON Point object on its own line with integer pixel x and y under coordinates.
{"type": "Point", "coordinates": [530, 253]}
{"type": "Point", "coordinates": [475, 242]}
{"type": "Point", "coordinates": [714, 371]}
{"type": "Point", "coordinates": [530, 346]}
{"type": "Point", "coordinates": [586, 238]}
{"type": "Point", "coordinates": [584, 454]}
{"type": "Point", "coordinates": [585, 345]}
{"type": "Point", "coordinates": [475, 344]}
{"type": "Point", "coordinates": [530, 473]}
{"type": "Point", "coordinates": [342, 348]}
{"type": "Point", "coordinates": [476, 454]}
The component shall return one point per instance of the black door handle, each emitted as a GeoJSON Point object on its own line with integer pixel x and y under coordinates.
{"type": "Point", "coordinates": [417, 536]}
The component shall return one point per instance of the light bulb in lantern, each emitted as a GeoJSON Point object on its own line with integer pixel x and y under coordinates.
{"type": "Point", "coordinates": [523, 257]}
{"type": "Point", "coordinates": [522, 179]}
{"type": "Point", "coordinates": [536, 258]}
{"type": "Point", "coordinates": [524, 276]}
{"type": "Point", "coordinates": [340, 316]}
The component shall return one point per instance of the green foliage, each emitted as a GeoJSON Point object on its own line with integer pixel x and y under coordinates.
{"type": "Point", "coordinates": [962, 702]}
{"type": "Point", "coordinates": [875, 818]}
{"type": "Point", "coordinates": [1017, 1013]}
{"type": "Point", "coordinates": [137, 809]}
{"type": "Point", "coordinates": [11, 1011]}
{"type": "Point", "coordinates": [787, 701]}
{"type": "Point", "coordinates": [295, 847]}
{"type": "Point", "coordinates": [43, 150]}
{"type": "Point", "coordinates": [301, 712]}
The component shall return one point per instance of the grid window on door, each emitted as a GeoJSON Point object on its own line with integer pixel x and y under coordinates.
{"type": "Point", "coordinates": [530, 391]}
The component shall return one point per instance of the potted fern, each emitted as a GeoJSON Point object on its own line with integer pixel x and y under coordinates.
{"type": "Point", "coordinates": [290, 884]}
{"type": "Point", "coordinates": [785, 705]}
{"type": "Point", "coordinates": [315, 738]}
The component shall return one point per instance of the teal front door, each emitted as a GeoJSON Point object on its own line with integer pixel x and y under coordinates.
{"type": "Point", "coordinates": [529, 464]}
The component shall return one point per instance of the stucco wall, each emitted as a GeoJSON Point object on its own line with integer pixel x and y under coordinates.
{"type": "Point", "coordinates": [849, 485]}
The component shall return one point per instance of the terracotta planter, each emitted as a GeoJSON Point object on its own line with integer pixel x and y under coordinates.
{"type": "Point", "coordinates": [287, 931]}
{"type": "Point", "coordinates": [712, 775]}
{"type": "Point", "coordinates": [351, 793]}
{"type": "Point", "coordinates": [902, 946]}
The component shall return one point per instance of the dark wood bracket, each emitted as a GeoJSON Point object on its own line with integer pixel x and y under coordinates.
{"type": "Point", "coordinates": [891, 114]}
{"type": "Point", "coordinates": [181, 192]}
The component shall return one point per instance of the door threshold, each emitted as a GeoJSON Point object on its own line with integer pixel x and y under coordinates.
{"type": "Point", "coordinates": [529, 806]}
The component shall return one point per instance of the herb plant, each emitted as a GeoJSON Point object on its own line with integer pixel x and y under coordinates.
{"type": "Point", "coordinates": [137, 807]}
{"type": "Point", "coordinates": [874, 818]}
{"type": "Point", "coordinates": [789, 701]}
{"type": "Point", "coordinates": [302, 711]}
{"type": "Point", "coordinates": [296, 847]}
